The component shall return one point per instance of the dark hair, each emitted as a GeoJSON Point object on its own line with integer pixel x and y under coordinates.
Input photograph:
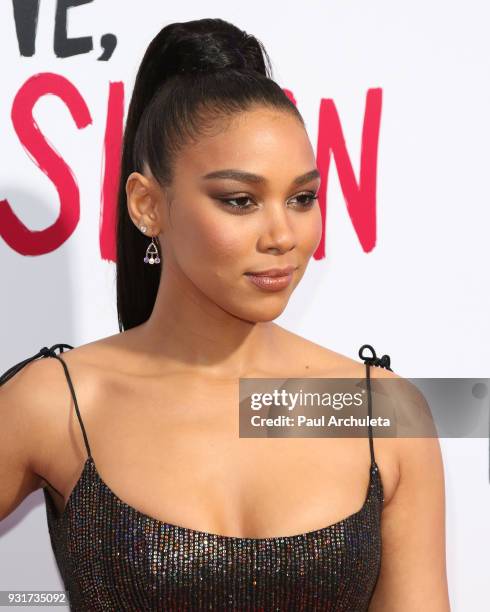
{"type": "Point", "coordinates": [193, 75]}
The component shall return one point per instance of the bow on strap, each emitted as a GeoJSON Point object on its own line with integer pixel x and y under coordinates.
{"type": "Point", "coordinates": [383, 361]}
{"type": "Point", "coordinates": [43, 352]}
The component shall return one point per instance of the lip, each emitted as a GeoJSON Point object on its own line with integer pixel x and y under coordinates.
{"type": "Point", "coordinates": [274, 279]}
{"type": "Point", "coordinates": [273, 272]}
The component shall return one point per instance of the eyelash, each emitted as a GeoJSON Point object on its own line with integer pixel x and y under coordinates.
{"type": "Point", "coordinates": [226, 202]}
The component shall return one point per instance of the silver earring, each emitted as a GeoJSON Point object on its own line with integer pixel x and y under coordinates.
{"type": "Point", "coordinates": [152, 256]}
{"type": "Point", "coordinates": [143, 228]}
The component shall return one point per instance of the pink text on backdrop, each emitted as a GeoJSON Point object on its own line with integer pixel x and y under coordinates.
{"type": "Point", "coordinates": [360, 195]}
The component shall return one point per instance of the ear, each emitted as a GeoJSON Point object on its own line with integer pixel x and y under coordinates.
{"type": "Point", "coordinates": [145, 202]}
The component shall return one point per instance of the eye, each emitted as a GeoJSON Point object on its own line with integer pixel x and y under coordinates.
{"type": "Point", "coordinates": [237, 207]}
{"type": "Point", "coordinates": [308, 198]}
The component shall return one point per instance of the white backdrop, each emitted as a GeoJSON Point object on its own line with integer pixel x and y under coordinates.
{"type": "Point", "coordinates": [422, 294]}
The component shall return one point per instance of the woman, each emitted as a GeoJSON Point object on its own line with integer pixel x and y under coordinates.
{"type": "Point", "coordinates": [153, 500]}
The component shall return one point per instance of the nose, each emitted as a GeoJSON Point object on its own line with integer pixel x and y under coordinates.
{"type": "Point", "coordinates": [277, 233]}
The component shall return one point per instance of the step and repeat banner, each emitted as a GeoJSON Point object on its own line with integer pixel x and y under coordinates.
{"type": "Point", "coordinates": [395, 97]}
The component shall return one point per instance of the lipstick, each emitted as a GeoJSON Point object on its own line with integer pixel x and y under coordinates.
{"type": "Point", "coordinates": [274, 279]}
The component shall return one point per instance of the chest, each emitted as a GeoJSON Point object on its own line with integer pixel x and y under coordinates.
{"type": "Point", "coordinates": [113, 557]}
{"type": "Point", "coordinates": [173, 452]}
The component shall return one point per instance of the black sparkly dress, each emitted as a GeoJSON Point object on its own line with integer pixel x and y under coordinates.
{"type": "Point", "coordinates": [113, 557]}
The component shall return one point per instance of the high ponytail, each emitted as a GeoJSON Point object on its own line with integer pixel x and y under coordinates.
{"type": "Point", "coordinates": [192, 74]}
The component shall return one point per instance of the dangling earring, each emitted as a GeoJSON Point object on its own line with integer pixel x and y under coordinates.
{"type": "Point", "coordinates": [151, 256]}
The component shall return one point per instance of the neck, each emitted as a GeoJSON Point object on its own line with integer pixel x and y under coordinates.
{"type": "Point", "coordinates": [189, 330]}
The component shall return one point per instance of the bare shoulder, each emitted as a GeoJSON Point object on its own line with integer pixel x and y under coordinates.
{"type": "Point", "coordinates": [96, 353]}
{"type": "Point", "coordinates": [34, 402]}
{"type": "Point", "coordinates": [28, 396]}
{"type": "Point", "coordinates": [27, 401]}
{"type": "Point", "coordinates": [397, 454]}
{"type": "Point", "coordinates": [415, 442]}
{"type": "Point", "coordinates": [310, 355]}
{"type": "Point", "coordinates": [107, 358]}
{"type": "Point", "coordinates": [39, 422]}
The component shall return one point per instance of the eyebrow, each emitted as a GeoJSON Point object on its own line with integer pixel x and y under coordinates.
{"type": "Point", "coordinates": [249, 177]}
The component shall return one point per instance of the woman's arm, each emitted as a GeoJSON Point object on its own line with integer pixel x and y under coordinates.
{"type": "Point", "coordinates": [22, 420]}
{"type": "Point", "coordinates": [413, 567]}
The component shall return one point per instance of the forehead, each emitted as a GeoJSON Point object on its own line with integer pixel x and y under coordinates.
{"type": "Point", "coordinates": [265, 141]}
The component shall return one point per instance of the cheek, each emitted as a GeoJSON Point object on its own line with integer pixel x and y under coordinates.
{"type": "Point", "coordinates": [226, 241]}
{"type": "Point", "coordinates": [214, 244]}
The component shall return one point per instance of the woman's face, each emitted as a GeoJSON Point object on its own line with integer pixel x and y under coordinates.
{"type": "Point", "coordinates": [270, 221]}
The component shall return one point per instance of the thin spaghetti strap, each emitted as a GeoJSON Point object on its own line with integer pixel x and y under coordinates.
{"type": "Point", "coordinates": [383, 362]}
{"type": "Point", "coordinates": [50, 352]}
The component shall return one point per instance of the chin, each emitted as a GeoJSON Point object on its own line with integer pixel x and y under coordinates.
{"type": "Point", "coordinates": [258, 314]}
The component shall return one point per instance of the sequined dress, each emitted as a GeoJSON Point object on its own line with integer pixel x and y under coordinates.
{"type": "Point", "coordinates": [113, 557]}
